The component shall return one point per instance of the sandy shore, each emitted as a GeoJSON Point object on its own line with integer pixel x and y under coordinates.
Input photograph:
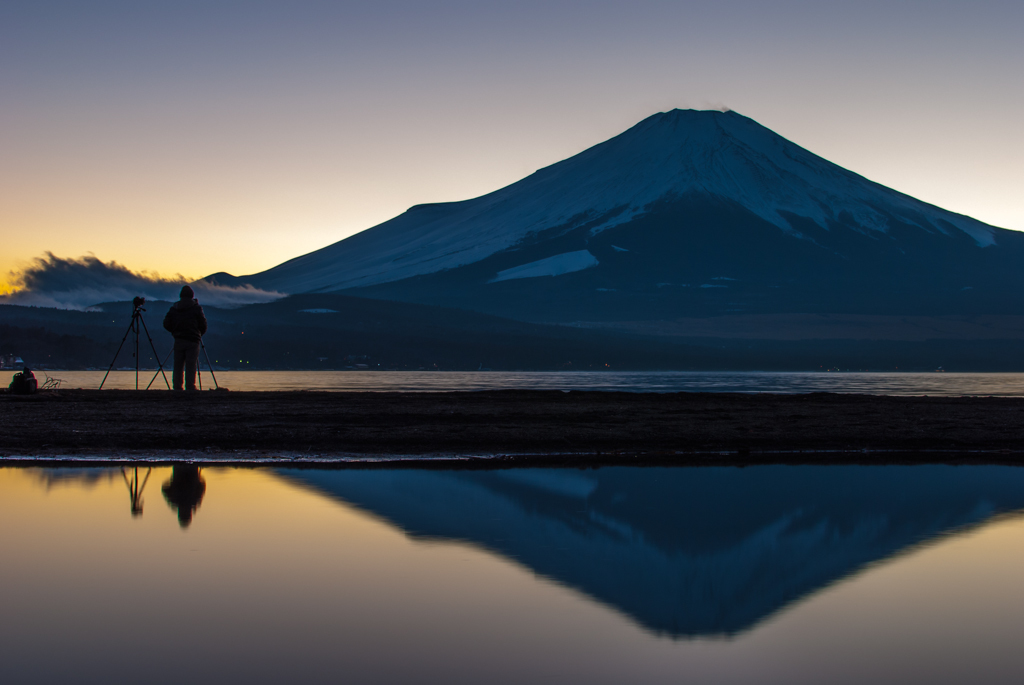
{"type": "Point", "coordinates": [551, 426]}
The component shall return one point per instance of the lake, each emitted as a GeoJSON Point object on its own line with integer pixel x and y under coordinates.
{"type": "Point", "coordinates": [881, 383]}
{"type": "Point", "coordinates": [767, 574]}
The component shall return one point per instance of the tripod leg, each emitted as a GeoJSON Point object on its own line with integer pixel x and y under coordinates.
{"type": "Point", "coordinates": [156, 356]}
{"type": "Point", "coordinates": [209, 365]}
{"type": "Point", "coordinates": [112, 361]}
{"type": "Point", "coordinates": [158, 370]}
{"type": "Point", "coordinates": [137, 351]}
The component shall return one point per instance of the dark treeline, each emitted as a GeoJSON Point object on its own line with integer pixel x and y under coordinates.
{"type": "Point", "coordinates": [42, 347]}
{"type": "Point", "coordinates": [374, 334]}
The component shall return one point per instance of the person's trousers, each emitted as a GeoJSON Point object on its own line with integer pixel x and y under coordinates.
{"type": "Point", "coordinates": [186, 359]}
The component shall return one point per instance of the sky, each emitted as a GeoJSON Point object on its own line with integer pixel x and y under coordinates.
{"type": "Point", "coordinates": [196, 137]}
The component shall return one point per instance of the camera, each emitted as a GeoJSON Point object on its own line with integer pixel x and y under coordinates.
{"type": "Point", "coordinates": [139, 301]}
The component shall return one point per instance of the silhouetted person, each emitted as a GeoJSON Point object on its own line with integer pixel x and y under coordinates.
{"type": "Point", "coordinates": [187, 323]}
{"type": "Point", "coordinates": [184, 491]}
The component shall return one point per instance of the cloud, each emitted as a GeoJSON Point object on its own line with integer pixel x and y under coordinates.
{"type": "Point", "coordinates": [716, 105]}
{"type": "Point", "coordinates": [52, 281]}
{"type": "Point", "coordinates": [231, 295]}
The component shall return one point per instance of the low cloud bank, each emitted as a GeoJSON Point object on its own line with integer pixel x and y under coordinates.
{"type": "Point", "coordinates": [81, 283]}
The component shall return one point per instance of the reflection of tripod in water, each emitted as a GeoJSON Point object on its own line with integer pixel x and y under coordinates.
{"type": "Point", "coordinates": [137, 324]}
{"type": "Point", "coordinates": [135, 488]}
{"type": "Point", "coordinates": [199, 365]}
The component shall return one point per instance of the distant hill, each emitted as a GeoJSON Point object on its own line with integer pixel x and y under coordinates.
{"type": "Point", "coordinates": [332, 331]}
{"type": "Point", "coordinates": [335, 331]}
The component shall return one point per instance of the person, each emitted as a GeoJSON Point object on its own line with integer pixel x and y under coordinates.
{"type": "Point", "coordinates": [187, 323]}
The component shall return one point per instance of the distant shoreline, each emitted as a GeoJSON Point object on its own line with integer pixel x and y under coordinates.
{"type": "Point", "coordinates": [901, 383]}
{"type": "Point", "coordinates": [508, 427]}
{"type": "Point", "coordinates": [469, 462]}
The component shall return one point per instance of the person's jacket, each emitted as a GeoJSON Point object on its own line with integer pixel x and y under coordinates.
{"type": "Point", "coordinates": [186, 321]}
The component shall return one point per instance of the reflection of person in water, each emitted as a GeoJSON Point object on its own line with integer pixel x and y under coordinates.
{"type": "Point", "coordinates": [184, 491]}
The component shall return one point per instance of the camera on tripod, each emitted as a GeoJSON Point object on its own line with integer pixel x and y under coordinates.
{"type": "Point", "coordinates": [135, 327]}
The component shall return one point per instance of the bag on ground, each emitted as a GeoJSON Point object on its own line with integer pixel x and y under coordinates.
{"type": "Point", "coordinates": [23, 383]}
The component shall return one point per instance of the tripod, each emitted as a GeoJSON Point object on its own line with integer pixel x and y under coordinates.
{"type": "Point", "coordinates": [135, 489]}
{"type": "Point", "coordinates": [137, 323]}
{"type": "Point", "coordinates": [199, 371]}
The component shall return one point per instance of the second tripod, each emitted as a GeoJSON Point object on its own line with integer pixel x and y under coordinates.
{"type": "Point", "coordinates": [137, 325]}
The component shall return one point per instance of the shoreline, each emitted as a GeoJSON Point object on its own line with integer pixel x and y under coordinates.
{"type": "Point", "coordinates": [507, 427]}
{"type": "Point", "coordinates": [535, 460]}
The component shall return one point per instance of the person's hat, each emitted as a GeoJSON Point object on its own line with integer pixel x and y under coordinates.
{"type": "Point", "coordinates": [187, 293]}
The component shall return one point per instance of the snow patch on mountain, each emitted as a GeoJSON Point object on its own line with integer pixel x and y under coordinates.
{"type": "Point", "coordinates": [565, 263]}
{"type": "Point", "coordinates": [621, 218]}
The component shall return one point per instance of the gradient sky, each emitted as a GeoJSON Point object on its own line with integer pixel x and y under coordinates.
{"type": "Point", "coordinates": [194, 137]}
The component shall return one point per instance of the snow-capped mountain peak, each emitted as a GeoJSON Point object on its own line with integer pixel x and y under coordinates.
{"type": "Point", "coordinates": [721, 157]}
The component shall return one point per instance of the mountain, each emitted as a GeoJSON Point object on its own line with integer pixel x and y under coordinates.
{"type": "Point", "coordinates": [685, 552]}
{"type": "Point", "coordinates": [687, 214]}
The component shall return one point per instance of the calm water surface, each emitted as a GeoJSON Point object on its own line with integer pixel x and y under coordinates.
{"type": "Point", "coordinates": [1007, 384]}
{"type": "Point", "coordinates": [613, 575]}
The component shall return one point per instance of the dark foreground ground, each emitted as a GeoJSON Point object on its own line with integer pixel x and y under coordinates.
{"type": "Point", "coordinates": [554, 426]}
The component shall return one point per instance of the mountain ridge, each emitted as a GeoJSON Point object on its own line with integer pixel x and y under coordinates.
{"type": "Point", "coordinates": [698, 187]}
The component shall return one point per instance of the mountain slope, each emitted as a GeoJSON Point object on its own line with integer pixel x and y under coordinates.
{"type": "Point", "coordinates": [687, 213]}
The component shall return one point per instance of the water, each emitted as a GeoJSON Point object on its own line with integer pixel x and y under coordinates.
{"type": "Point", "coordinates": [954, 384]}
{"type": "Point", "coordinates": [773, 574]}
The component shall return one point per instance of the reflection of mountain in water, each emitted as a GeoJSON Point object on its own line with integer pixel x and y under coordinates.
{"type": "Point", "coordinates": [81, 476]}
{"type": "Point", "coordinates": [686, 551]}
